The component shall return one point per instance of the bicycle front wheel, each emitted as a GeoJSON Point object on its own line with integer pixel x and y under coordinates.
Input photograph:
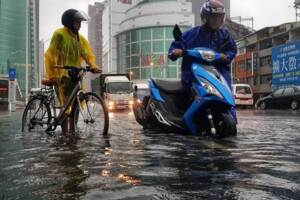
{"type": "Point", "coordinates": [37, 115]}
{"type": "Point", "coordinates": [90, 115]}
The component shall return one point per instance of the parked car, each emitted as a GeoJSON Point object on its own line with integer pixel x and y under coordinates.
{"type": "Point", "coordinates": [243, 94]}
{"type": "Point", "coordinates": [282, 98]}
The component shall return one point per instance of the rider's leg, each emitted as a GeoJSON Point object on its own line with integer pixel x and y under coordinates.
{"type": "Point", "coordinates": [71, 124]}
{"type": "Point", "coordinates": [64, 125]}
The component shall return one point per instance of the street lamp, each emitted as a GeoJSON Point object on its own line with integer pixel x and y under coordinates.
{"type": "Point", "coordinates": [130, 74]}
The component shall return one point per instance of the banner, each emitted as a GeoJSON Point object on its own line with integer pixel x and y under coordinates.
{"type": "Point", "coordinates": [286, 65]}
{"type": "Point", "coordinates": [152, 60]}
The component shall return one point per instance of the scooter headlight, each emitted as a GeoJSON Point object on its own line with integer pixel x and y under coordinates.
{"type": "Point", "coordinates": [208, 56]}
{"type": "Point", "coordinates": [210, 88]}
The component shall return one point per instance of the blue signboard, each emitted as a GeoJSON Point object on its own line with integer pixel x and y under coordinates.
{"type": "Point", "coordinates": [286, 65]}
{"type": "Point", "coordinates": [12, 74]}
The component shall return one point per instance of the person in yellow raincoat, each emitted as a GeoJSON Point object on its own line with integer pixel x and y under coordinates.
{"type": "Point", "coordinates": [67, 48]}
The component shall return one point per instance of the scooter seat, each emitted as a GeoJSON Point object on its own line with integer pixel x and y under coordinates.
{"type": "Point", "coordinates": [168, 86]}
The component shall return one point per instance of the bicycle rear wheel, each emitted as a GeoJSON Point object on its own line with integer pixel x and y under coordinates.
{"type": "Point", "coordinates": [36, 115]}
{"type": "Point", "coordinates": [91, 115]}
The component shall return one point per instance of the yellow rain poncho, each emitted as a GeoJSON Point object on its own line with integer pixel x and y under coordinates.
{"type": "Point", "coordinates": [66, 50]}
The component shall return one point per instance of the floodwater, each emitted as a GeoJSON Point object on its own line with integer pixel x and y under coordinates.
{"type": "Point", "coordinates": [262, 162]}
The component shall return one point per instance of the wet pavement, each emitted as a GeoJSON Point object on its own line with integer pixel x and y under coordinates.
{"type": "Point", "coordinates": [262, 162]}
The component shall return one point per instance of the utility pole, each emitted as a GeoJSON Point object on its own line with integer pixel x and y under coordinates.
{"type": "Point", "coordinates": [26, 52]}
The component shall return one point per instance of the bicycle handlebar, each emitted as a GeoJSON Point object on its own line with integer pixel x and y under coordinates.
{"type": "Point", "coordinates": [84, 69]}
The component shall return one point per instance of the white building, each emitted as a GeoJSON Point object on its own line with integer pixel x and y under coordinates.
{"type": "Point", "coordinates": [138, 33]}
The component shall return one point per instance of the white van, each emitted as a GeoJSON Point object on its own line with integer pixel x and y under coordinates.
{"type": "Point", "coordinates": [243, 94]}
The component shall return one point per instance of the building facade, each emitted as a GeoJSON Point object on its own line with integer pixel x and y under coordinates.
{"type": "Point", "coordinates": [137, 35]}
{"type": "Point", "coordinates": [13, 19]}
{"type": "Point", "coordinates": [95, 30]}
{"type": "Point", "coordinates": [254, 63]}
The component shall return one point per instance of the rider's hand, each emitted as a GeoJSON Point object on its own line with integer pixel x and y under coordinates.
{"type": "Point", "coordinates": [224, 57]}
{"type": "Point", "coordinates": [73, 73]}
{"type": "Point", "coordinates": [177, 53]}
{"type": "Point", "coordinates": [96, 70]}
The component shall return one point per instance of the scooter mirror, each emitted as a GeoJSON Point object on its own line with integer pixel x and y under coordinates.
{"type": "Point", "coordinates": [177, 34]}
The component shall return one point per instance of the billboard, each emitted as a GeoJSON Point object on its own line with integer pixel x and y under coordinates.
{"type": "Point", "coordinates": [286, 65]}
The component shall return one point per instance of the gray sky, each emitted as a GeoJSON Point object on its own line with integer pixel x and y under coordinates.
{"type": "Point", "coordinates": [265, 13]}
{"type": "Point", "coordinates": [51, 12]}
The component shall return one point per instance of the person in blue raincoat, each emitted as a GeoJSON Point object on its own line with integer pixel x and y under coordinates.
{"type": "Point", "coordinates": [210, 34]}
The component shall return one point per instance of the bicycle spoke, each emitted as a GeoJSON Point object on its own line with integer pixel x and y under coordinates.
{"type": "Point", "coordinates": [92, 118]}
{"type": "Point", "coordinates": [36, 115]}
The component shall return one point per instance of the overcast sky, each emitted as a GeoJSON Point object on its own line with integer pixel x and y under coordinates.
{"type": "Point", "coordinates": [265, 13]}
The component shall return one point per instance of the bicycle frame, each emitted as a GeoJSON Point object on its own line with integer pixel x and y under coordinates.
{"type": "Point", "coordinates": [70, 101]}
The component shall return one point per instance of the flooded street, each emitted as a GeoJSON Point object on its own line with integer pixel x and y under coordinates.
{"type": "Point", "coordinates": [262, 162]}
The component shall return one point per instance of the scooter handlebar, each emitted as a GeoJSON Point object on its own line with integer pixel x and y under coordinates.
{"type": "Point", "coordinates": [204, 54]}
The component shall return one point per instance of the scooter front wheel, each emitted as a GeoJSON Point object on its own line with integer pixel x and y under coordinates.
{"type": "Point", "coordinates": [224, 125]}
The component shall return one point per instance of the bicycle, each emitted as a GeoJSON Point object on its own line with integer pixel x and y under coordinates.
{"type": "Point", "coordinates": [89, 110]}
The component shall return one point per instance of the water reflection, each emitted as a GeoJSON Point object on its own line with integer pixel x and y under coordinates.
{"type": "Point", "coordinates": [262, 162]}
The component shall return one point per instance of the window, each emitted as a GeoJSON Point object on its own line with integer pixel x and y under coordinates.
{"type": "Point", "coordinates": [288, 92]}
{"type": "Point", "coordinates": [265, 44]}
{"type": "Point", "coordinates": [135, 36]}
{"type": "Point", "coordinates": [249, 65]}
{"type": "Point", "coordinates": [266, 61]}
{"type": "Point", "coordinates": [241, 66]}
{"type": "Point", "coordinates": [243, 90]}
{"type": "Point", "coordinates": [135, 48]}
{"type": "Point", "coordinates": [145, 48]}
{"type": "Point", "coordinates": [256, 80]}
{"type": "Point", "coordinates": [278, 93]}
{"type": "Point", "coordinates": [146, 34]}
{"type": "Point", "coordinates": [128, 62]}
{"type": "Point", "coordinates": [135, 61]}
{"type": "Point", "coordinates": [158, 46]}
{"type": "Point", "coordinates": [158, 33]}
{"type": "Point", "coordinates": [168, 44]}
{"type": "Point", "coordinates": [127, 37]}
{"type": "Point", "coordinates": [266, 79]}
{"type": "Point", "coordinates": [128, 50]}
{"type": "Point", "coordinates": [169, 33]}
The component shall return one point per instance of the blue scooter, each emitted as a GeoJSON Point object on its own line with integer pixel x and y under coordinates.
{"type": "Point", "coordinates": [204, 110]}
